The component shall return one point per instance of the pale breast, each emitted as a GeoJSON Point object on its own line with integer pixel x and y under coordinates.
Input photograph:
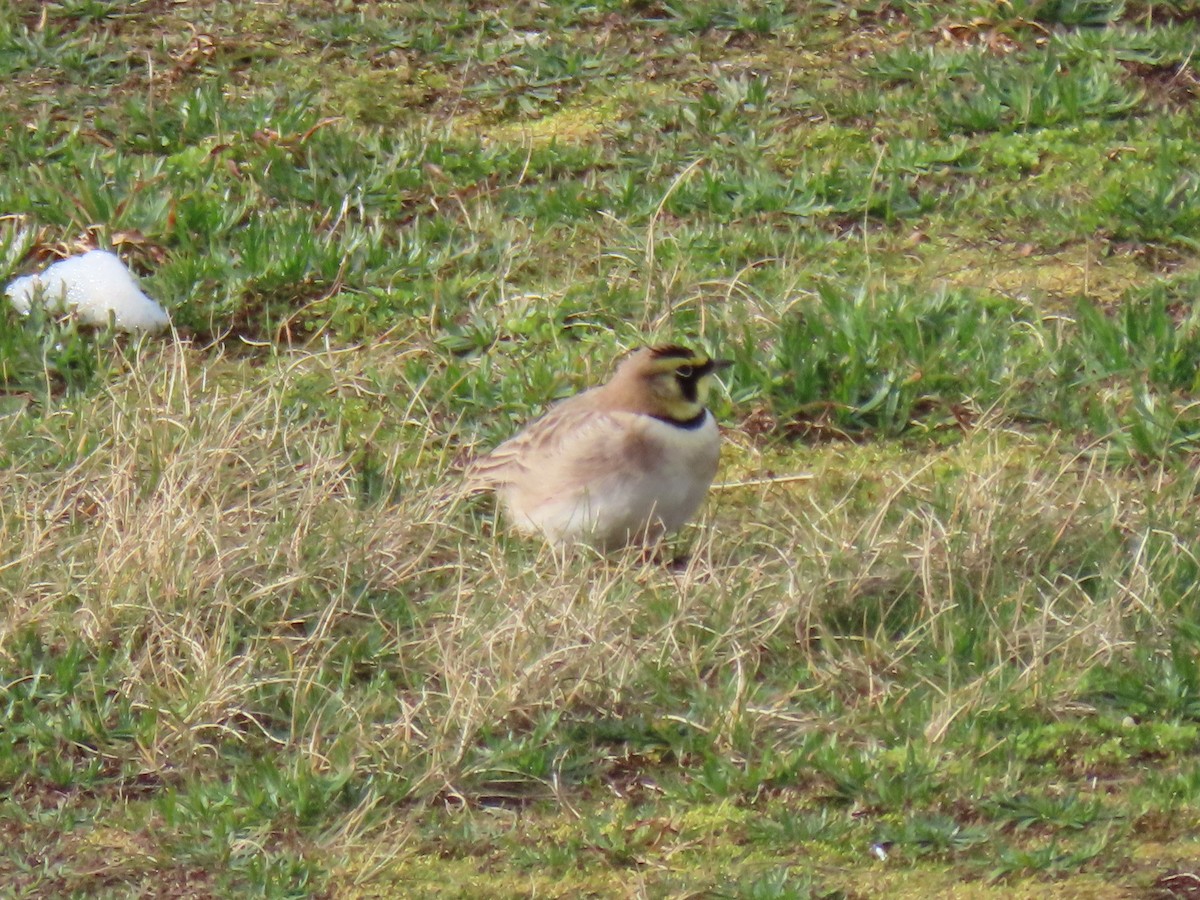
{"type": "Point", "coordinates": [622, 477]}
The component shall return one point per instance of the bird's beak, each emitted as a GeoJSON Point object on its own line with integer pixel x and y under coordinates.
{"type": "Point", "coordinates": [716, 365]}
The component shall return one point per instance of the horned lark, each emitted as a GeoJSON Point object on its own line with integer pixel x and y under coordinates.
{"type": "Point", "coordinates": [623, 463]}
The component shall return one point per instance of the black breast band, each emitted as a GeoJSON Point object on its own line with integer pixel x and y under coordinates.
{"type": "Point", "coordinates": [687, 424]}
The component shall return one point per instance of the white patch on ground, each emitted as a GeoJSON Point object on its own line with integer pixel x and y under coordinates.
{"type": "Point", "coordinates": [93, 286]}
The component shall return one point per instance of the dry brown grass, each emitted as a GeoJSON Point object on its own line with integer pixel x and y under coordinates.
{"type": "Point", "coordinates": [207, 517]}
{"type": "Point", "coordinates": [204, 527]}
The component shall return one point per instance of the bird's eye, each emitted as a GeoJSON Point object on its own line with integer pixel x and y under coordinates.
{"type": "Point", "coordinates": [685, 371]}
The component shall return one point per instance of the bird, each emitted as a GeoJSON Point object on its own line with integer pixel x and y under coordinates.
{"type": "Point", "coordinates": [625, 463]}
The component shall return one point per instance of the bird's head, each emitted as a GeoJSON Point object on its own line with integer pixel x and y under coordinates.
{"type": "Point", "coordinates": [668, 381]}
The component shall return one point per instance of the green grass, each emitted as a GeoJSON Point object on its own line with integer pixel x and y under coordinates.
{"type": "Point", "coordinates": [249, 647]}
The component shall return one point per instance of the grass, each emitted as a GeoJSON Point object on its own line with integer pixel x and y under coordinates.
{"type": "Point", "coordinates": [250, 647]}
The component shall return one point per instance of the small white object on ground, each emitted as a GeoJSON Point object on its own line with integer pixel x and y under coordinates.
{"type": "Point", "coordinates": [93, 285]}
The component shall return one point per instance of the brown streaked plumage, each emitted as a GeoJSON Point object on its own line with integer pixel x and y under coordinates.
{"type": "Point", "coordinates": [622, 463]}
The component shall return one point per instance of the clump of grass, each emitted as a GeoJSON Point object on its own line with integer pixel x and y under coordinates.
{"type": "Point", "coordinates": [42, 355]}
{"type": "Point", "coordinates": [873, 359]}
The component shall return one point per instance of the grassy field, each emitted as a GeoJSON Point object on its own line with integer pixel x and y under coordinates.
{"type": "Point", "coordinates": [249, 647]}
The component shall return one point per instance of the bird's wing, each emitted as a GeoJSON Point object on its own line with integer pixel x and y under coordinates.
{"type": "Point", "coordinates": [577, 436]}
